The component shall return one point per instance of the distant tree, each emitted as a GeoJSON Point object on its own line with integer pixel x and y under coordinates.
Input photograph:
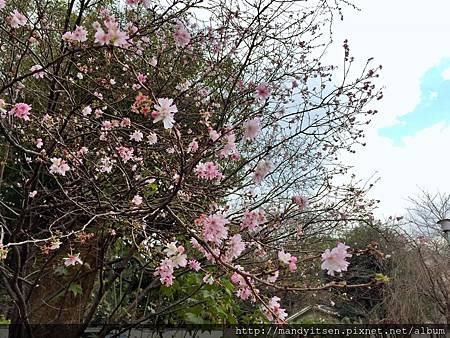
{"type": "Point", "coordinates": [419, 290]}
{"type": "Point", "coordinates": [425, 210]}
{"type": "Point", "coordinates": [359, 304]}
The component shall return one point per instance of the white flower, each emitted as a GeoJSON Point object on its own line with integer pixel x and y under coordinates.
{"type": "Point", "coordinates": [179, 260]}
{"type": "Point", "coordinates": [208, 279]}
{"type": "Point", "coordinates": [106, 165]}
{"type": "Point", "coordinates": [55, 245]}
{"type": "Point", "coordinates": [152, 138]}
{"type": "Point", "coordinates": [153, 61]}
{"type": "Point", "coordinates": [39, 143]}
{"type": "Point", "coordinates": [171, 249]}
{"type": "Point", "coordinates": [86, 111]}
{"type": "Point", "coordinates": [164, 112]}
{"type": "Point", "coordinates": [137, 136]}
{"type": "Point", "coordinates": [137, 200]}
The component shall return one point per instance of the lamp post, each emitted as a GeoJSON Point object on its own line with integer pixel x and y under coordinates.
{"type": "Point", "coordinates": [445, 227]}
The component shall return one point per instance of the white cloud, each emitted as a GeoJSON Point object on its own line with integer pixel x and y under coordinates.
{"type": "Point", "coordinates": [407, 38]}
{"type": "Point", "coordinates": [420, 162]}
{"type": "Point", "coordinates": [446, 74]}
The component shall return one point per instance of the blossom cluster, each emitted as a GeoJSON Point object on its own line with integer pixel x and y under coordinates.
{"type": "Point", "coordinates": [334, 260]}
{"type": "Point", "coordinates": [175, 258]}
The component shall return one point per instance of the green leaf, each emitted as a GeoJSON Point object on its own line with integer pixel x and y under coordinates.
{"type": "Point", "coordinates": [382, 278]}
{"type": "Point", "coordinates": [61, 271]}
{"type": "Point", "coordinates": [76, 289]}
{"type": "Point", "coordinates": [192, 318]}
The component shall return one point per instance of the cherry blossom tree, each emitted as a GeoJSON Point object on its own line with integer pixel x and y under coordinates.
{"type": "Point", "coordinates": [150, 143]}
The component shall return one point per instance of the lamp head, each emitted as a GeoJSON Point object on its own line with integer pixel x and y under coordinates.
{"type": "Point", "coordinates": [445, 224]}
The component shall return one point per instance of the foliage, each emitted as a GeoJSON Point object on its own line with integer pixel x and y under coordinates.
{"type": "Point", "coordinates": [161, 168]}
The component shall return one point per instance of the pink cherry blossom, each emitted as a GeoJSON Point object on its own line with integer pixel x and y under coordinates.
{"type": "Point", "coordinates": [208, 171]}
{"type": "Point", "coordinates": [165, 112]}
{"type": "Point", "coordinates": [301, 201]}
{"type": "Point", "coordinates": [125, 123]}
{"type": "Point", "coordinates": [244, 293]}
{"type": "Point", "coordinates": [98, 113]}
{"type": "Point", "coordinates": [117, 37]}
{"type": "Point", "coordinates": [79, 34]}
{"type": "Point", "coordinates": [21, 110]}
{"type": "Point", "coordinates": [192, 147]}
{"type": "Point", "coordinates": [101, 37]}
{"type": "Point", "coordinates": [274, 311]}
{"type": "Point", "coordinates": [194, 242]}
{"type": "Point", "coordinates": [39, 74]}
{"type": "Point", "coordinates": [17, 19]}
{"type": "Point", "coordinates": [214, 135]}
{"type": "Point", "coordinates": [179, 260]}
{"type": "Point", "coordinates": [107, 125]}
{"type": "Point", "coordinates": [262, 92]}
{"type": "Point", "coordinates": [261, 171]}
{"type": "Point", "coordinates": [230, 148]}
{"type": "Point", "coordinates": [153, 61]}
{"type": "Point", "coordinates": [334, 260]}
{"type": "Point", "coordinates": [215, 229]}
{"type": "Point", "coordinates": [55, 244]}
{"type": "Point", "coordinates": [72, 260]}
{"type": "Point", "coordinates": [273, 278]}
{"type": "Point", "coordinates": [2, 4]}
{"type": "Point", "coordinates": [125, 153]}
{"type": "Point", "coordinates": [237, 278]}
{"type": "Point", "coordinates": [146, 3]}
{"type": "Point", "coordinates": [181, 36]}
{"type": "Point", "coordinates": [68, 36]}
{"type": "Point", "coordinates": [86, 111]}
{"type": "Point", "coordinates": [194, 265]}
{"type": "Point", "coordinates": [59, 166]}
{"type": "Point", "coordinates": [236, 247]}
{"type": "Point", "coordinates": [284, 257]}
{"type": "Point", "coordinates": [293, 264]}
{"type": "Point", "coordinates": [252, 129]}
{"type": "Point", "coordinates": [184, 86]}
{"type": "Point", "coordinates": [252, 219]}
{"type": "Point", "coordinates": [165, 272]}
{"type": "Point", "coordinates": [137, 200]}
{"type": "Point", "coordinates": [142, 78]}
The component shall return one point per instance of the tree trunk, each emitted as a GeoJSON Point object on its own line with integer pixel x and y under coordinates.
{"type": "Point", "coordinates": [53, 308]}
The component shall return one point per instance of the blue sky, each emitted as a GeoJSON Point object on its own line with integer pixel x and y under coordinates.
{"type": "Point", "coordinates": [406, 140]}
{"type": "Point", "coordinates": [433, 107]}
